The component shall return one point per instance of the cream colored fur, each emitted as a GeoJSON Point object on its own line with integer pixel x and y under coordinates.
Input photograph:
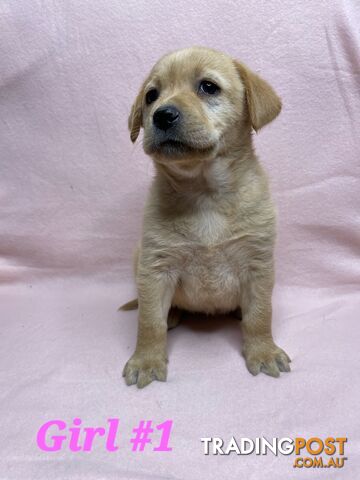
{"type": "Point", "coordinates": [209, 222]}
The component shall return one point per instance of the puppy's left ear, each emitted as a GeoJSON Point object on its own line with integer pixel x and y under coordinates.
{"type": "Point", "coordinates": [263, 103]}
{"type": "Point", "coordinates": [135, 117]}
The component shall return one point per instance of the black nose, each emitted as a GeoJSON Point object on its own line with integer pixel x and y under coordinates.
{"type": "Point", "coordinates": [166, 117]}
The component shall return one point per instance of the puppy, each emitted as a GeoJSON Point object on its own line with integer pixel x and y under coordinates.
{"type": "Point", "coordinates": [209, 222]}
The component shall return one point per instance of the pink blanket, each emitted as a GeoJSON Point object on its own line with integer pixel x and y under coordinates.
{"type": "Point", "coordinates": [72, 192]}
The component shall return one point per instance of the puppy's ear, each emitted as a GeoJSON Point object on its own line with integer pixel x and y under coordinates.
{"type": "Point", "coordinates": [135, 117]}
{"type": "Point", "coordinates": [263, 103]}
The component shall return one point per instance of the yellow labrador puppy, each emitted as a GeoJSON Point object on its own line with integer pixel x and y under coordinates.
{"type": "Point", "coordinates": [209, 222]}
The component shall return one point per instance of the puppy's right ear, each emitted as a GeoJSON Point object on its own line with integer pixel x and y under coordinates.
{"type": "Point", "coordinates": [135, 117]}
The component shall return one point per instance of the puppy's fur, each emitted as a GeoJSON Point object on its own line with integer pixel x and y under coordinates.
{"type": "Point", "coordinates": [209, 223]}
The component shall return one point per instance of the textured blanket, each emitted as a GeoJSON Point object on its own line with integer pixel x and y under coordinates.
{"type": "Point", "coordinates": [72, 191]}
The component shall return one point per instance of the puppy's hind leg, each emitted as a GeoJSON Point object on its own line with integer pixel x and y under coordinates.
{"type": "Point", "coordinates": [174, 317]}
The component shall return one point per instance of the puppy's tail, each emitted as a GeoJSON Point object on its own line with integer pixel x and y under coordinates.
{"type": "Point", "coordinates": [132, 305]}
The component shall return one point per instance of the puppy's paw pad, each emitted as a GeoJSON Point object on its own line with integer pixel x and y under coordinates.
{"type": "Point", "coordinates": [143, 370]}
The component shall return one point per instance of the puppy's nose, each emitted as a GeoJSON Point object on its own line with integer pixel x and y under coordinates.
{"type": "Point", "coordinates": [166, 117]}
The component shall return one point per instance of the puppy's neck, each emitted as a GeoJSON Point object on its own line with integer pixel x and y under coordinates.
{"type": "Point", "coordinates": [185, 184]}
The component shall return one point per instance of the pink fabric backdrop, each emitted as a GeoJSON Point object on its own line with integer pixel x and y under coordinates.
{"type": "Point", "coordinates": [72, 192]}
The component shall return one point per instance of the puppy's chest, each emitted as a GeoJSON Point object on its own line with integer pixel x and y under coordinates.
{"type": "Point", "coordinates": [208, 228]}
{"type": "Point", "coordinates": [210, 239]}
{"type": "Point", "coordinates": [211, 260]}
{"type": "Point", "coordinates": [207, 254]}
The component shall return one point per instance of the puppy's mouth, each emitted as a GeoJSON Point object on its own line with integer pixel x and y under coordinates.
{"type": "Point", "coordinates": [171, 147]}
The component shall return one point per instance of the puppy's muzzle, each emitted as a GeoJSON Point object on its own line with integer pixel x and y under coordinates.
{"type": "Point", "coordinates": [166, 117]}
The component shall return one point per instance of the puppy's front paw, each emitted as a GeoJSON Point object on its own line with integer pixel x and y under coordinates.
{"type": "Point", "coordinates": [266, 357]}
{"type": "Point", "coordinates": [142, 369]}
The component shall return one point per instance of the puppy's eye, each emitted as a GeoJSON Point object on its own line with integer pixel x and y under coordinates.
{"type": "Point", "coordinates": [209, 88]}
{"type": "Point", "coordinates": [151, 96]}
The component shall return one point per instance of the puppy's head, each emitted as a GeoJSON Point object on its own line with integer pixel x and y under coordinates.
{"type": "Point", "coordinates": [195, 100]}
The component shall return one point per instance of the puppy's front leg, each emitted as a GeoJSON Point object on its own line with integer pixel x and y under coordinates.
{"type": "Point", "coordinates": [149, 360]}
{"type": "Point", "coordinates": [260, 351]}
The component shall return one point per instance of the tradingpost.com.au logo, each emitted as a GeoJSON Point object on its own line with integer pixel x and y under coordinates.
{"type": "Point", "coordinates": [314, 452]}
